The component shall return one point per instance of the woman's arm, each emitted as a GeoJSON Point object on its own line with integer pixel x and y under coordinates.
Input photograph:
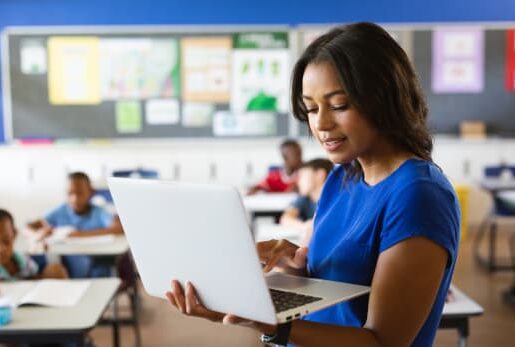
{"type": "Point", "coordinates": [404, 288]}
{"type": "Point", "coordinates": [114, 229]}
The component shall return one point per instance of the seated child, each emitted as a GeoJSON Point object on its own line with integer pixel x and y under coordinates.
{"type": "Point", "coordinates": [85, 218]}
{"type": "Point", "coordinates": [15, 265]}
{"type": "Point", "coordinates": [312, 176]}
{"type": "Point", "coordinates": [282, 179]}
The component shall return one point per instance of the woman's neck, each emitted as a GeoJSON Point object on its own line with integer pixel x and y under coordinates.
{"type": "Point", "coordinates": [380, 163]}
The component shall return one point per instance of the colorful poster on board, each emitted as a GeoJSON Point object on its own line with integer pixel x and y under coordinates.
{"type": "Point", "coordinates": [139, 68]}
{"type": "Point", "coordinates": [260, 72]}
{"type": "Point", "coordinates": [510, 60]}
{"type": "Point", "coordinates": [73, 70]}
{"type": "Point", "coordinates": [206, 69]}
{"type": "Point", "coordinates": [458, 60]}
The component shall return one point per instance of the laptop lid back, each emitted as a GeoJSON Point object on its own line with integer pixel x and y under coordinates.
{"type": "Point", "coordinates": [197, 233]}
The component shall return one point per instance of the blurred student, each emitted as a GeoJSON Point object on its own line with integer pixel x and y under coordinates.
{"type": "Point", "coordinates": [15, 265]}
{"type": "Point", "coordinates": [282, 179]}
{"type": "Point", "coordinates": [312, 176]}
{"type": "Point", "coordinates": [86, 220]}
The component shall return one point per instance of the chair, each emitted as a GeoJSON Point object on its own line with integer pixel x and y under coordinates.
{"type": "Point", "coordinates": [138, 172]}
{"type": "Point", "coordinates": [500, 209]}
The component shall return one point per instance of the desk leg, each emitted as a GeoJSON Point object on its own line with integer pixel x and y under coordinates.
{"type": "Point", "coordinates": [493, 239]}
{"type": "Point", "coordinates": [463, 331]}
{"type": "Point", "coordinates": [116, 324]}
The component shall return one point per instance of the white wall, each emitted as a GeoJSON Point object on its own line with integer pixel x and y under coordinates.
{"type": "Point", "coordinates": [32, 179]}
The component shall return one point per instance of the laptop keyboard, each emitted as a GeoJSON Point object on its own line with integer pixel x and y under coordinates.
{"type": "Point", "coordinates": [286, 300]}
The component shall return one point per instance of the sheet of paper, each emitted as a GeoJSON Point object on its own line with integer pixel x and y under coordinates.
{"type": "Point", "coordinates": [14, 291]}
{"type": "Point", "coordinates": [60, 234]}
{"type": "Point", "coordinates": [128, 117]}
{"type": "Point", "coordinates": [139, 68]}
{"type": "Point", "coordinates": [206, 68]}
{"type": "Point", "coordinates": [510, 60]}
{"type": "Point", "coordinates": [245, 124]}
{"type": "Point", "coordinates": [162, 111]}
{"type": "Point", "coordinates": [33, 56]}
{"type": "Point", "coordinates": [458, 60]}
{"type": "Point", "coordinates": [197, 114]}
{"type": "Point", "coordinates": [55, 293]}
{"type": "Point", "coordinates": [73, 72]}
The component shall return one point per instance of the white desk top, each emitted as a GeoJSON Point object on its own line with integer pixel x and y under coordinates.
{"type": "Point", "coordinates": [268, 202]}
{"type": "Point", "coordinates": [83, 316]}
{"type": "Point", "coordinates": [462, 305]}
{"type": "Point", "coordinates": [117, 246]}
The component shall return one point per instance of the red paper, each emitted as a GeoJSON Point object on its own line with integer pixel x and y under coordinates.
{"type": "Point", "coordinates": [510, 60]}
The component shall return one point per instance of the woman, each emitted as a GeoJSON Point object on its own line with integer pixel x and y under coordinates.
{"type": "Point", "coordinates": [387, 216]}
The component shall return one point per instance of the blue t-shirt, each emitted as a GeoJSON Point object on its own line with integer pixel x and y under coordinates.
{"type": "Point", "coordinates": [355, 222]}
{"type": "Point", "coordinates": [306, 207]}
{"type": "Point", "coordinates": [95, 218]}
{"type": "Point", "coordinates": [80, 266]}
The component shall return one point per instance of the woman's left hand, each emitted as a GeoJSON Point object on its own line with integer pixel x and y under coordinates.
{"type": "Point", "coordinates": [188, 303]}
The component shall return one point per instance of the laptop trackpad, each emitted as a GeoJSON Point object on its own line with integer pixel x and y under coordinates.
{"type": "Point", "coordinates": [286, 282]}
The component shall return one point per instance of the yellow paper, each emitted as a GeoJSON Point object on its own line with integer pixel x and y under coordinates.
{"type": "Point", "coordinates": [206, 68]}
{"type": "Point", "coordinates": [73, 73]}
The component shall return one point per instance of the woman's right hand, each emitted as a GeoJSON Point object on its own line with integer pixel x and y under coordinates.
{"type": "Point", "coordinates": [283, 254]}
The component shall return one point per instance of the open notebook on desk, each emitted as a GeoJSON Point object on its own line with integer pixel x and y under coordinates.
{"type": "Point", "coordinates": [55, 293]}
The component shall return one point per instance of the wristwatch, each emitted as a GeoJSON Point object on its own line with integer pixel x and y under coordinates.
{"type": "Point", "coordinates": [281, 336]}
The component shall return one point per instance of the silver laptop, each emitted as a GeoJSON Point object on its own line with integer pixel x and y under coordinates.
{"type": "Point", "coordinates": [200, 233]}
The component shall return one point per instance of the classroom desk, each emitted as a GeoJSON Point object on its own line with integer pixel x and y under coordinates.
{"type": "Point", "coordinates": [456, 315]}
{"type": "Point", "coordinates": [267, 204]}
{"type": "Point", "coordinates": [35, 324]}
{"type": "Point", "coordinates": [497, 188]}
{"type": "Point", "coordinates": [108, 252]}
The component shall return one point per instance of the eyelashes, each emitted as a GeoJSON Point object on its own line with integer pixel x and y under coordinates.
{"type": "Point", "coordinates": [343, 107]}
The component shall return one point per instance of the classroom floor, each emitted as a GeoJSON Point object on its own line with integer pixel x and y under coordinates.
{"type": "Point", "coordinates": [162, 326]}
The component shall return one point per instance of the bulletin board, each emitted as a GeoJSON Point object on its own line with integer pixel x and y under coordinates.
{"type": "Point", "coordinates": [146, 82]}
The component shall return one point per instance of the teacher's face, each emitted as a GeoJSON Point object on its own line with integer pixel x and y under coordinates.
{"type": "Point", "coordinates": [341, 130]}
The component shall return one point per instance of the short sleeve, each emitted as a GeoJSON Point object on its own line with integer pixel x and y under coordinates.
{"type": "Point", "coordinates": [55, 217]}
{"type": "Point", "coordinates": [426, 209]}
{"type": "Point", "coordinates": [28, 268]}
